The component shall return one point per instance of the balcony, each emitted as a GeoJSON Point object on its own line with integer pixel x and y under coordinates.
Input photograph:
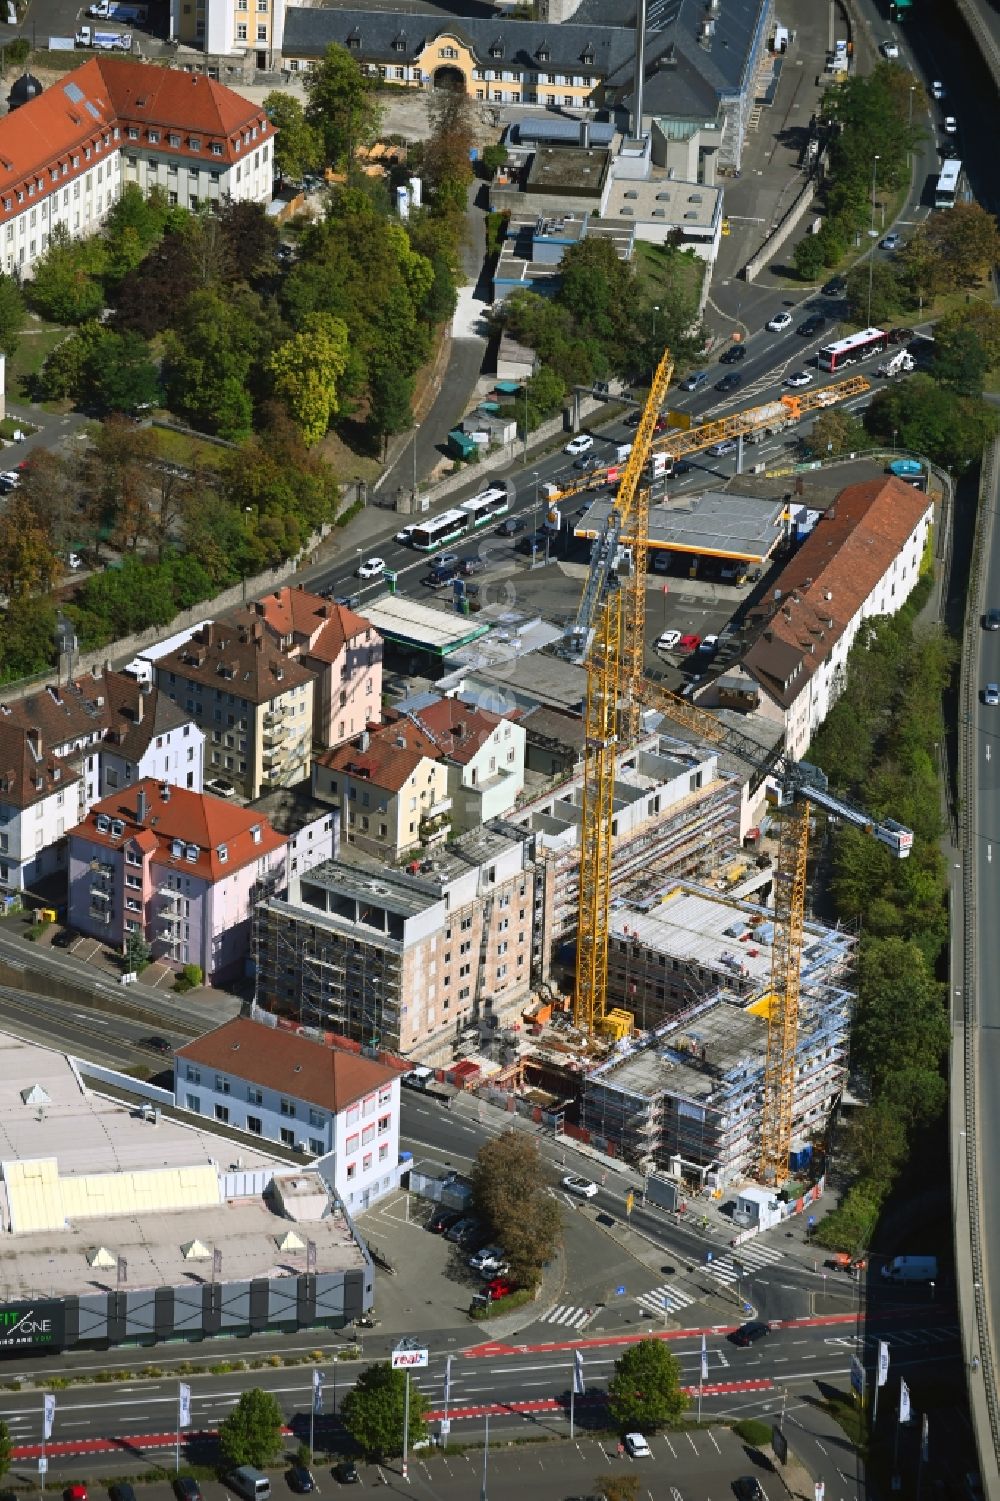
{"type": "Point", "coordinates": [169, 915]}
{"type": "Point", "coordinates": [273, 717]}
{"type": "Point", "coordinates": [100, 915]}
{"type": "Point", "coordinates": [275, 734]}
{"type": "Point", "coordinates": [99, 894]}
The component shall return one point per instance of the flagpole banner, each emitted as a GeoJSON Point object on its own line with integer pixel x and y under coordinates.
{"type": "Point", "coordinates": [48, 1415]}
{"type": "Point", "coordinates": [317, 1393]}
{"type": "Point", "coordinates": [579, 1384]}
{"type": "Point", "coordinates": [904, 1402]}
{"type": "Point", "coordinates": [183, 1406]}
{"type": "Point", "coordinates": [704, 1359]}
{"type": "Point", "coordinates": [883, 1362]}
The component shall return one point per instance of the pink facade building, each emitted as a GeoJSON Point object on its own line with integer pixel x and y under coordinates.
{"type": "Point", "coordinates": [180, 868]}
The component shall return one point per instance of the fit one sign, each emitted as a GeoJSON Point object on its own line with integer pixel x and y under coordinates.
{"type": "Point", "coordinates": [31, 1326]}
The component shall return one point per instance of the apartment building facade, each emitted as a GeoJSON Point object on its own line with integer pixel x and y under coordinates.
{"type": "Point", "coordinates": [484, 754]}
{"type": "Point", "coordinates": [341, 648]}
{"type": "Point", "coordinates": [67, 153]}
{"type": "Point", "coordinates": [41, 798]}
{"type": "Point", "coordinates": [403, 960]}
{"type": "Point", "coordinates": [253, 702]}
{"type": "Point", "coordinates": [181, 869]}
{"type": "Point", "coordinates": [326, 1102]}
{"type": "Point", "coordinates": [391, 786]}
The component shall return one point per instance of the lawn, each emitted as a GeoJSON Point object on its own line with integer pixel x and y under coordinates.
{"type": "Point", "coordinates": [34, 347]}
{"type": "Point", "coordinates": [658, 266]}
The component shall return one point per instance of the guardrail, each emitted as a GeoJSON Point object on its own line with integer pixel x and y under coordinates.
{"type": "Point", "coordinates": [967, 830]}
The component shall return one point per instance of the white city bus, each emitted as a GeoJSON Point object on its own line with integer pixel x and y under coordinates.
{"type": "Point", "coordinates": [487, 506]}
{"type": "Point", "coordinates": [859, 346]}
{"type": "Point", "coordinates": [449, 527]}
{"type": "Point", "coordinates": [951, 185]}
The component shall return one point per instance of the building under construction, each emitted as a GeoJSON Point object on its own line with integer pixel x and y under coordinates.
{"type": "Point", "coordinates": [675, 815]}
{"type": "Point", "coordinates": [686, 1099]}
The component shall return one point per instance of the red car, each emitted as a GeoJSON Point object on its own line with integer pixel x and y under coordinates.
{"type": "Point", "coordinates": [498, 1287]}
{"type": "Point", "coordinates": [76, 1492]}
{"type": "Point", "coordinates": [688, 644]}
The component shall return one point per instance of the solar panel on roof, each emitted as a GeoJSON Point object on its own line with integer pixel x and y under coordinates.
{"type": "Point", "coordinates": [73, 91]}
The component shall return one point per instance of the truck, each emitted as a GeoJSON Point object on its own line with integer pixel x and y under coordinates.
{"type": "Point", "coordinates": [911, 1269]}
{"type": "Point", "coordinates": [104, 41]}
{"type": "Point", "coordinates": [112, 10]}
{"type": "Point", "coordinates": [900, 364]}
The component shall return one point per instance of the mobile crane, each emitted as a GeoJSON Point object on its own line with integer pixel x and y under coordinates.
{"type": "Point", "coordinates": [609, 635]}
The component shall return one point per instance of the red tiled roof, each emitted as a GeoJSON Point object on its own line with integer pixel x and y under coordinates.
{"type": "Point", "coordinates": [84, 119]}
{"type": "Point", "coordinates": [194, 818]}
{"type": "Point", "coordinates": [29, 773]}
{"type": "Point", "coordinates": [458, 729]}
{"type": "Point", "coordinates": [296, 1066]}
{"type": "Point", "coordinates": [390, 758]}
{"type": "Point", "coordinates": [316, 626]}
{"type": "Point", "coordinates": [241, 651]}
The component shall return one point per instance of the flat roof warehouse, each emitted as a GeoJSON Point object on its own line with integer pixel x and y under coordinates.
{"type": "Point", "coordinates": [115, 1230]}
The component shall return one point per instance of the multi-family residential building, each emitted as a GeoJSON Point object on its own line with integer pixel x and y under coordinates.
{"type": "Point", "coordinates": [328, 1102]}
{"type": "Point", "coordinates": [341, 648]}
{"type": "Point", "coordinates": [67, 153]}
{"type": "Point", "coordinates": [391, 786]}
{"type": "Point", "coordinates": [254, 703]}
{"type": "Point", "coordinates": [484, 754]}
{"type": "Point", "coordinates": [862, 559]}
{"type": "Point", "coordinates": [181, 869]}
{"type": "Point", "coordinates": [409, 959]}
{"type": "Point", "coordinates": [105, 731]}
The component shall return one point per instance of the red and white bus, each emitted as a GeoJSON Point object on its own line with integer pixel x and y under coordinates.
{"type": "Point", "coordinates": [860, 346]}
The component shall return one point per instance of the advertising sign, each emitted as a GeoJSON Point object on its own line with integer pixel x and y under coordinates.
{"type": "Point", "coordinates": [31, 1326]}
{"type": "Point", "coordinates": [409, 1360]}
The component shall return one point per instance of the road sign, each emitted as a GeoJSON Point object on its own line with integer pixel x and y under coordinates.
{"type": "Point", "coordinates": [444, 1427]}
{"type": "Point", "coordinates": [43, 1464]}
{"type": "Point", "coordinates": [620, 1291]}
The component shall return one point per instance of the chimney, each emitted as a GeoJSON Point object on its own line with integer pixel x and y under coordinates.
{"type": "Point", "coordinates": [141, 806]}
{"type": "Point", "coordinates": [365, 740]}
{"type": "Point", "coordinates": [139, 707]}
{"type": "Point", "coordinates": [585, 134]}
{"type": "Point", "coordinates": [640, 69]}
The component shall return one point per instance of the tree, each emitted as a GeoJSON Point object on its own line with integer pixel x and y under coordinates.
{"type": "Point", "coordinates": [252, 239]}
{"type": "Point", "coordinates": [209, 356]}
{"type": "Point", "coordinates": [64, 371]}
{"type": "Point", "coordinates": [342, 106]}
{"type": "Point", "coordinates": [929, 419]}
{"type": "Point", "coordinates": [509, 1188]}
{"type": "Point", "coordinates": [645, 1390]}
{"type": "Point", "coordinates": [887, 292]}
{"type": "Point", "coordinates": [133, 226]}
{"type": "Point", "coordinates": [493, 157]}
{"type": "Point", "coordinates": [28, 564]}
{"type": "Point", "coordinates": [390, 410]}
{"type": "Point", "coordinates": [12, 315]}
{"type": "Point", "coordinates": [65, 285]}
{"type": "Point", "coordinates": [901, 1023]}
{"type": "Point", "coordinates": [137, 953]}
{"type": "Point", "coordinates": [836, 432]}
{"type": "Point", "coordinates": [963, 242]}
{"type": "Point", "coordinates": [50, 488]}
{"type": "Point", "coordinates": [447, 152]}
{"type": "Point", "coordinates": [306, 370]}
{"type": "Point", "coordinates": [809, 258]}
{"type": "Point", "coordinates": [298, 146]}
{"type": "Point", "coordinates": [120, 480]}
{"type": "Point", "coordinates": [6, 1449]}
{"type": "Point", "coordinates": [27, 638]}
{"type": "Point", "coordinates": [960, 361]}
{"type": "Point", "coordinates": [372, 1412]}
{"type": "Point", "coordinates": [980, 316]}
{"type": "Point", "coordinates": [252, 1433]}
{"type": "Point", "coordinates": [119, 375]}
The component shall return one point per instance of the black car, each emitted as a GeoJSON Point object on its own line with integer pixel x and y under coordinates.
{"type": "Point", "coordinates": [733, 354]}
{"type": "Point", "coordinates": [533, 544]}
{"type": "Point", "coordinates": [991, 620]}
{"type": "Point", "coordinates": [682, 466]}
{"type": "Point", "coordinates": [186, 1488]}
{"type": "Point", "coordinates": [813, 325]}
{"type": "Point", "coordinates": [156, 1045]}
{"type": "Point", "coordinates": [300, 1479]}
{"type": "Point", "coordinates": [632, 419]}
{"type": "Point", "coordinates": [835, 288]}
{"type": "Point", "coordinates": [749, 1334]}
{"type": "Point", "coordinates": [121, 1492]}
{"type": "Point", "coordinates": [442, 1220]}
{"type": "Point", "coordinates": [901, 335]}
{"type": "Point", "coordinates": [510, 526]}
{"type": "Point", "coordinates": [729, 382]}
{"type": "Point", "coordinates": [748, 1488]}
{"type": "Point", "coordinates": [346, 1472]}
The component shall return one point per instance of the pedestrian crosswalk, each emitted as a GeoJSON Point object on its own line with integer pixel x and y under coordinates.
{"type": "Point", "coordinates": [665, 1300]}
{"type": "Point", "coordinates": [569, 1315]}
{"type": "Point", "coordinates": [744, 1262]}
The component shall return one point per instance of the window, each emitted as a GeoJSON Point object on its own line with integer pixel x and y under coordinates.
{"type": "Point", "coordinates": [366, 1163]}
{"type": "Point", "coordinates": [255, 1096]}
{"type": "Point", "coordinates": [254, 1125]}
{"type": "Point", "coordinates": [193, 1103]}
{"type": "Point", "coordinates": [316, 1146]}
{"type": "Point", "coordinates": [195, 143]}
{"type": "Point", "coordinates": [317, 1118]}
{"type": "Point", "coordinates": [368, 1135]}
{"type": "Point", "coordinates": [193, 1075]}
{"type": "Point", "coordinates": [221, 1084]}
{"type": "Point", "coordinates": [288, 1107]}
{"type": "Point", "coordinates": [369, 1105]}
{"type": "Point", "coordinates": [222, 1114]}
{"type": "Point", "coordinates": [352, 1115]}
{"type": "Point", "coordinates": [352, 1168]}
{"type": "Point", "coordinates": [352, 1143]}
{"type": "Point", "coordinates": [384, 1122]}
{"type": "Point", "coordinates": [287, 1136]}
{"type": "Point", "coordinates": [385, 1096]}
{"type": "Point", "coordinates": [383, 1151]}
{"type": "Point", "coordinates": [262, 32]}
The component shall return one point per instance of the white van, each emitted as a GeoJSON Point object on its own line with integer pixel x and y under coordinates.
{"type": "Point", "coordinates": [251, 1484]}
{"type": "Point", "coordinates": [911, 1269]}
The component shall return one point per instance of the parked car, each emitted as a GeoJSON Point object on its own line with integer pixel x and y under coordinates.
{"type": "Point", "coordinates": [733, 354]}
{"type": "Point", "coordinates": [749, 1334]}
{"type": "Point", "coordinates": [778, 322]}
{"type": "Point", "coordinates": [749, 1488]}
{"type": "Point", "coordinates": [186, 1488]}
{"type": "Point", "coordinates": [688, 644]}
{"type": "Point", "coordinates": [442, 1220]}
{"type": "Point", "coordinates": [346, 1472]}
{"type": "Point", "coordinates": [371, 568]}
{"type": "Point", "coordinates": [219, 787]}
{"type": "Point", "coordinates": [120, 1492]}
{"type": "Point", "coordinates": [581, 1187]}
{"type": "Point", "coordinates": [901, 335]}
{"type": "Point", "coordinates": [693, 381]}
{"type": "Point", "coordinates": [811, 326]}
{"type": "Point", "coordinates": [470, 566]}
{"type": "Point", "coordinates": [76, 1492]}
{"type": "Point", "coordinates": [682, 466]}
{"type": "Point", "coordinates": [499, 1287]}
{"type": "Point", "coordinates": [636, 1446]}
{"type": "Point", "coordinates": [9, 480]}
{"type": "Point", "coordinates": [533, 544]}
{"type": "Point", "coordinates": [632, 419]}
{"type": "Point", "coordinates": [300, 1480]}
{"type": "Point", "coordinates": [588, 461]}
{"type": "Point", "coordinates": [835, 287]}
{"type": "Point", "coordinates": [729, 382]}
{"type": "Point", "coordinates": [157, 1044]}
{"type": "Point", "coordinates": [74, 561]}
{"type": "Point", "coordinates": [991, 694]}
{"type": "Point", "coordinates": [479, 1260]}
{"type": "Point", "coordinates": [891, 241]}
{"type": "Point", "coordinates": [510, 526]}
{"type": "Point", "coordinates": [709, 646]}
{"type": "Point", "coordinates": [463, 1232]}
{"type": "Point", "coordinates": [579, 444]}
{"type": "Point", "coordinates": [799, 378]}
{"type": "Point", "coordinates": [889, 49]}
{"type": "Point", "coordinates": [668, 641]}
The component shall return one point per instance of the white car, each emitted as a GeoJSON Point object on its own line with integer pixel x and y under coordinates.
{"type": "Point", "coordinates": [405, 535]}
{"type": "Point", "coordinates": [937, 90]}
{"type": "Point", "coordinates": [9, 480]}
{"type": "Point", "coordinates": [709, 646]}
{"type": "Point", "coordinates": [799, 378]}
{"type": "Point", "coordinates": [636, 1446]}
{"type": "Point", "coordinates": [489, 1260]}
{"type": "Point", "coordinates": [950, 124]}
{"type": "Point", "coordinates": [668, 641]}
{"type": "Point", "coordinates": [579, 444]}
{"type": "Point", "coordinates": [582, 1187]}
{"type": "Point", "coordinates": [74, 560]}
{"type": "Point", "coordinates": [372, 568]}
{"type": "Point", "coordinates": [889, 49]}
{"type": "Point", "coordinates": [778, 322]}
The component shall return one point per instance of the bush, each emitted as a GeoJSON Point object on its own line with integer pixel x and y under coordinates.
{"type": "Point", "coordinates": [502, 1305]}
{"type": "Point", "coordinates": [190, 976]}
{"type": "Point", "coordinates": [753, 1432]}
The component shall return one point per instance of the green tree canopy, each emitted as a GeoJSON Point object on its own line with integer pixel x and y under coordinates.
{"type": "Point", "coordinates": [65, 285]}
{"type": "Point", "coordinates": [509, 1187]}
{"type": "Point", "coordinates": [960, 361]}
{"type": "Point", "coordinates": [298, 146]}
{"type": "Point", "coordinates": [342, 106]}
{"type": "Point", "coordinates": [929, 419]}
{"type": "Point", "coordinates": [645, 1391]}
{"type": "Point", "coordinates": [808, 257]}
{"type": "Point", "coordinates": [835, 432]}
{"type": "Point", "coordinates": [888, 293]}
{"type": "Point", "coordinates": [12, 315]}
{"type": "Point", "coordinates": [252, 1433]}
{"type": "Point", "coordinates": [306, 370]}
{"type": "Point", "coordinates": [372, 1412]}
{"type": "Point", "coordinates": [961, 245]}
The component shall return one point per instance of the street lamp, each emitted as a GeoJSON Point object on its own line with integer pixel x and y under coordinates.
{"type": "Point", "coordinates": [416, 429]}
{"type": "Point", "coordinates": [871, 252]}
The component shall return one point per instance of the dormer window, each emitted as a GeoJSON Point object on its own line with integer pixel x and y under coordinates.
{"type": "Point", "coordinates": [354, 41]}
{"type": "Point", "coordinates": [588, 58]}
{"type": "Point", "coordinates": [399, 42]}
{"type": "Point", "coordinates": [543, 54]}
{"type": "Point", "coordinates": [497, 49]}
